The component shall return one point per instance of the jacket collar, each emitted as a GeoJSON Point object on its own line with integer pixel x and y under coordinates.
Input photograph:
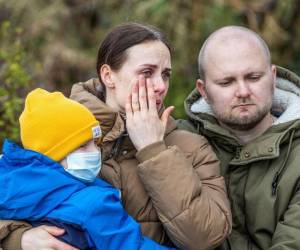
{"type": "Point", "coordinates": [90, 94]}
{"type": "Point", "coordinates": [266, 146]}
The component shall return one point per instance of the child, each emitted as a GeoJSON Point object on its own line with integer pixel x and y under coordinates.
{"type": "Point", "coordinates": [52, 180]}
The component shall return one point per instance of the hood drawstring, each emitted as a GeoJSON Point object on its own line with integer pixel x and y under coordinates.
{"type": "Point", "coordinates": [279, 172]}
{"type": "Point", "coordinates": [117, 145]}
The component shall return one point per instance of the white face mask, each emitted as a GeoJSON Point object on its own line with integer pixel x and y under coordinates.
{"type": "Point", "coordinates": [84, 166]}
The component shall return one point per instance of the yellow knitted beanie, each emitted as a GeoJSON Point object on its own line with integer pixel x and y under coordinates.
{"type": "Point", "coordinates": [54, 125]}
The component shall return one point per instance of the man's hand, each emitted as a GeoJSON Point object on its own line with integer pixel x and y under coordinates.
{"type": "Point", "coordinates": [144, 126]}
{"type": "Point", "coordinates": [42, 238]}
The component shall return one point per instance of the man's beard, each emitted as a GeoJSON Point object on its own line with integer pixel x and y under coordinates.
{"type": "Point", "coordinates": [242, 123]}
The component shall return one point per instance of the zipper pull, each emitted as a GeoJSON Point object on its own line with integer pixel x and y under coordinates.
{"type": "Point", "coordinates": [275, 183]}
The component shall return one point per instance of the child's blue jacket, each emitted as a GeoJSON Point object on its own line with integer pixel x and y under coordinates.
{"type": "Point", "coordinates": [33, 187]}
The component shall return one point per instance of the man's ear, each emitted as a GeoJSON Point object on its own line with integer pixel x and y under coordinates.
{"type": "Point", "coordinates": [274, 74]}
{"type": "Point", "coordinates": [106, 75]}
{"type": "Point", "coordinates": [201, 88]}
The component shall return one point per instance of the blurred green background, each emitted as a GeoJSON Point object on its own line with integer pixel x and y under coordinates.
{"type": "Point", "coordinates": [53, 44]}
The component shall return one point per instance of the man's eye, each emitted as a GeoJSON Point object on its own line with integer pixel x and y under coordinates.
{"type": "Point", "coordinates": [224, 83]}
{"type": "Point", "coordinates": [254, 78]}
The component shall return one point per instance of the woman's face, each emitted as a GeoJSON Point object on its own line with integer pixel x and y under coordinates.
{"type": "Point", "coordinates": [151, 59]}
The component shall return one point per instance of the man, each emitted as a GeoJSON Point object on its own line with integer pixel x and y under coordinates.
{"type": "Point", "coordinates": [251, 118]}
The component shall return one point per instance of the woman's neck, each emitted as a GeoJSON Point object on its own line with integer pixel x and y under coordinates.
{"type": "Point", "coordinates": [111, 102]}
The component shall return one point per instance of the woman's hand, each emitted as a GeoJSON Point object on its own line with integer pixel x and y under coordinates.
{"type": "Point", "coordinates": [42, 238]}
{"type": "Point", "coordinates": [144, 126]}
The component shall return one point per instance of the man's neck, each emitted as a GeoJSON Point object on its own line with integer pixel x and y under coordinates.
{"type": "Point", "coordinates": [247, 136]}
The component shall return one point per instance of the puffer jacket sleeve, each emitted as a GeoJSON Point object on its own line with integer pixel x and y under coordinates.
{"type": "Point", "coordinates": [183, 180]}
{"type": "Point", "coordinates": [11, 233]}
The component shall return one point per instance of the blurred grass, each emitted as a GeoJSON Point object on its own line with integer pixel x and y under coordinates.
{"type": "Point", "coordinates": [58, 41]}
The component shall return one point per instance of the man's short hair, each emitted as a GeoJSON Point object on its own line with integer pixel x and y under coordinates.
{"type": "Point", "coordinates": [201, 57]}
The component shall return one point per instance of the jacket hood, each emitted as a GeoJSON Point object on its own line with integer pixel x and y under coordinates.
{"type": "Point", "coordinates": [19, 156]}
{"type": "Point", "coordinates": [286, 100]}
{"type": "Point", "coordinates": [90, 94]}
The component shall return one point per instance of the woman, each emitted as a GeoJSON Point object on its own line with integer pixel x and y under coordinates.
{"type": "Point", "coordinates": [169, 179]}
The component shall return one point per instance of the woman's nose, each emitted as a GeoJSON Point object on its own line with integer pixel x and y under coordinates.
{"type": "Point", "coordinates": [159, 85]}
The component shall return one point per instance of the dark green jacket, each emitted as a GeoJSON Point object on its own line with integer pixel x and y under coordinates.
{"type": "Point", "coordinates": [262, 177]}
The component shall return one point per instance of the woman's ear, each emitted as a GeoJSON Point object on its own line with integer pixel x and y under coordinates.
{"type": "Point", "coordinates": [106, 76]}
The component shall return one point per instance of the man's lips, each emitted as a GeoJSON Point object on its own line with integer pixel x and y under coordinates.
{"type": "Point", "coordinates": [243, 105]}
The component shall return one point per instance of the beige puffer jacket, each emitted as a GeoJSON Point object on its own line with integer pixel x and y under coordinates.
{"type": "Point", "coordinates": [173, 188]}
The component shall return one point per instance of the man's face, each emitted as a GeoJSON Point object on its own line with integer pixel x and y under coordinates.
{"type": "Point", "coordinates": [239, 84]}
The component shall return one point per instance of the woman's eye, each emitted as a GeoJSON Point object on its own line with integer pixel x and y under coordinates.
{"type": "Point", "coordinates": [147, 73]}
{"type": "Point", "coordinates": [166, 76]}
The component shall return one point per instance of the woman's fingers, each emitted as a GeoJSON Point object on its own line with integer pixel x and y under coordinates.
{"type": "Point", "coordinates": [44, 237]}
{"type": "Point", "coordinates": [151, 95]}
{"type": "Point", "coordinates": [166, 114]}
{"type": "Point", "coordinates": [55, 231]}
{"type": "Point", "coordinates": [128, 108]}
{"type": "Point", "coordinates": [135, 97]}
{"type": "Point", "coordinates": [142, 97]}
{"type": "Point", "coordinates": [142, 93]}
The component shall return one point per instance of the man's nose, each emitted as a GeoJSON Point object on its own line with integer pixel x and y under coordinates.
{"type": "Point", "coordinates": [242, 90]}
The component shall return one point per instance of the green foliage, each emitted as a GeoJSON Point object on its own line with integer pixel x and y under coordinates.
{"type": "Point", "coordinates": [13, 78]}
{"type": "Point", "coordinates": [64, 35]}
